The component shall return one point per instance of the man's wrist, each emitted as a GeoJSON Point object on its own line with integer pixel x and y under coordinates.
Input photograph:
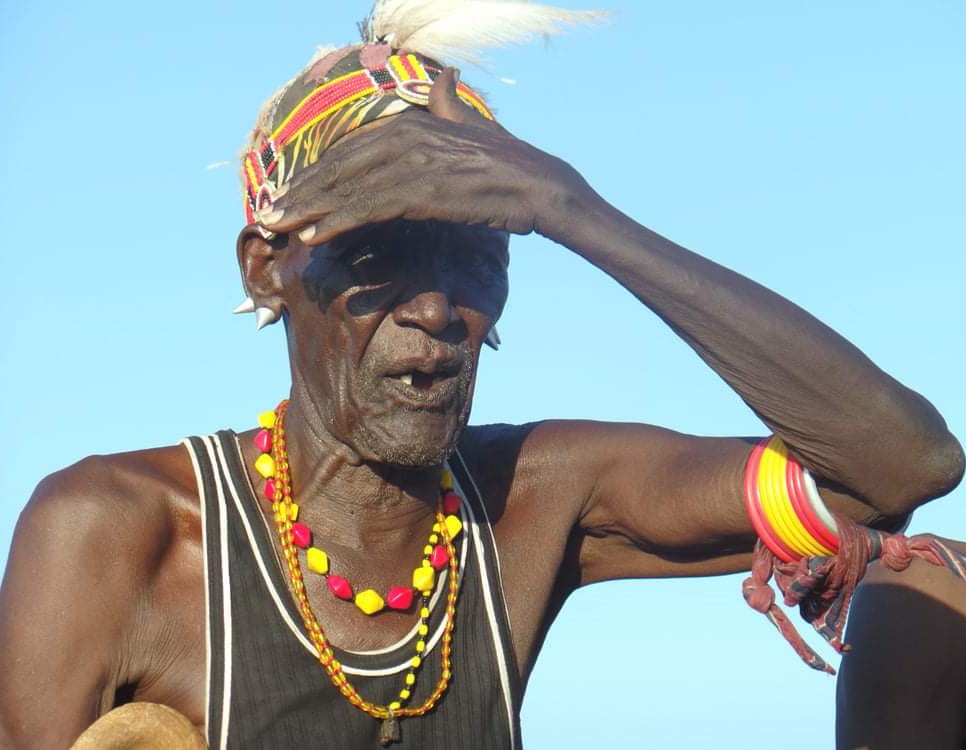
{"type": "Point", "coordinates": [565, 207]}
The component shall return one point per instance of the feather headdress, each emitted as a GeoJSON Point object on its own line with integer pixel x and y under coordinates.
{"type": "Point", "coordinates": [456, 30]}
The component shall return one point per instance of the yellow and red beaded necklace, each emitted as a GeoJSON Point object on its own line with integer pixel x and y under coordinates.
{"type": "Point", "coordinates": [272, 464]}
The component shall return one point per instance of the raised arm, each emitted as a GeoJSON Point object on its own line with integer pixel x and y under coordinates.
{"type": "Point", "coordinates": [878, 448]}
{"type": "Point", "coordinates": [847, 420]}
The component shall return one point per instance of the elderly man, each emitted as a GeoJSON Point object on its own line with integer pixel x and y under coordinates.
{"type": "Point", "coordinates": [364, 568]}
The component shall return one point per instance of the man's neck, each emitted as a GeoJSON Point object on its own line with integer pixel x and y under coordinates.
{"type": "Point", "coordinates": [360, 502]}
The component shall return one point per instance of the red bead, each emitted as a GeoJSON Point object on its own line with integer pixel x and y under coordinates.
{"type": "Point", "coordinates": [339, 586]}
{"type": "Point", "coordinates": [263, 441]}
{"type": "Point", "coordinates": [301, 535]}
{"type": "Point", "coordinates": [439, 557]}
{"type": "Point", "coordinates": [451, 503]}
{"type": "Point", "coordinates": [400, 597]}
{"type": "Point", "coordinates": [269, 490]}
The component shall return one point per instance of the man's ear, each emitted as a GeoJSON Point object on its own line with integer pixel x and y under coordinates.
{"type": "Point", "coordinates": [260, 264]}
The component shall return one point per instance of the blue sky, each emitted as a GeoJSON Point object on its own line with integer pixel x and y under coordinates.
{"type": "Point", "coordinates": [816, 147]}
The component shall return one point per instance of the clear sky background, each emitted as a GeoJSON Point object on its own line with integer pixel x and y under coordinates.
{"type": "Point", "coordinates": [817, 147]}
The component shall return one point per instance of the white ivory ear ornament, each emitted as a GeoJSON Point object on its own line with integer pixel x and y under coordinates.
{"type": "Point", "coordinates": [493, 339]}
{"type": "Point", "coordinates": [247, 306]}
{"type": "Point", "coordinates": [264, 316]}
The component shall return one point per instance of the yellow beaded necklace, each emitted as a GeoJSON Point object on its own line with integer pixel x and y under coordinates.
{"type": "Point", "coordinates": [285, 510]}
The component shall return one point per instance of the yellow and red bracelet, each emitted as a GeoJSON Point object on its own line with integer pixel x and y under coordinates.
{"type": "Point", "coordinates": [784, 506]}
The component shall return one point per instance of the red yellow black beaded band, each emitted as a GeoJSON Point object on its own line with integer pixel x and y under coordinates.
{"type": "Point", "coordinates": [406, 77]}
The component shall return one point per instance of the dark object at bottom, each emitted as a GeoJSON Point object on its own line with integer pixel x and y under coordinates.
{"type": "Point", "coordinates": [389, 732]}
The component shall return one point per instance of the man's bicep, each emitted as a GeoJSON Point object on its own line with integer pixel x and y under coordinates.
{"type": "Point", "coordinates": [60, 606]}
{"type": "Point", "coordinates": [652, 502]}
{"type": "Point", "coordinates": [675, 500]}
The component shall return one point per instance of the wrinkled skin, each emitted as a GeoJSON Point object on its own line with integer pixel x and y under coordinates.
{"type": "Point", "coordinates": [367, 298]}
{"type": "Point", "coordinates": [380, 291]}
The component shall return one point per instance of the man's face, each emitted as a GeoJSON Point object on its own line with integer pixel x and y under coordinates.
{"type": "Point", "coordinates": [385, 327]}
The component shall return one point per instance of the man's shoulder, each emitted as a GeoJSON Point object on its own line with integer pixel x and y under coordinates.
{"type": "Point", "coordinates": [129, 477]}
{"type": "Point", "coordinates": [130, 496]}
{"type": "Point", "coordinates": [534, 454]}
{"type": "Point", "coordinates": [551, 440]}
{"type": "Point", "coordinates": [488, 446]}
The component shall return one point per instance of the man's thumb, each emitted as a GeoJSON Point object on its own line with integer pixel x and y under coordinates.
{"type": "Point", "coordinates": [444, 102]}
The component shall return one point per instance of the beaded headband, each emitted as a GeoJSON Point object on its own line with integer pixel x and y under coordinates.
{"type": "Point", "coordinates": [337, 93]}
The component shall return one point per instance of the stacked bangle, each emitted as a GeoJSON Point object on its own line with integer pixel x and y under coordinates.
{"type": "Point", "coordinates": [784, 505]}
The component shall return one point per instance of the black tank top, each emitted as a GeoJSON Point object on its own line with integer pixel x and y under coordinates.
{"type": "Point", "coordinates": [266, 688]}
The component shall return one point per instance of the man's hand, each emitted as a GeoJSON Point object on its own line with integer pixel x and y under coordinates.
{"type": "Point", "coordinates": [449, 164]}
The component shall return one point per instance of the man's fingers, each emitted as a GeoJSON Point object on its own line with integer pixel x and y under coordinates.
{"type": "Point", "coordinates": [445, 103]}
{"type": "Point", "coordinates": [377, 159]}
{"type": "Point", "coordinates": [395, 202]}
{"type": "Point", "coordinates": [323, 186]}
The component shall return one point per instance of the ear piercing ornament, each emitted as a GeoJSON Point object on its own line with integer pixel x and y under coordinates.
{"type": "Point", "coordinates": [247, 306]}
{"type": "Point", "coordinates": [264, 316]}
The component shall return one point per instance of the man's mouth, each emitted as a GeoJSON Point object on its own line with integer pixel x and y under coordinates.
{"type": "Point", "coordinates": [418, 380]}
{"type": "Point", "coordinates": [421, 381]}
{"type": "Point", "coordinates": [426, 383]}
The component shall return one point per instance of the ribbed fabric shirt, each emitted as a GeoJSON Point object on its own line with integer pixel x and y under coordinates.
{"type": "Point", "coordinates": [266, 688]}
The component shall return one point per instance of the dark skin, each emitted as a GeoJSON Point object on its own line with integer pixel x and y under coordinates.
{"type": "Point", "coordinates": [903, 684]}
{"type": "Point", "coordinates": [572, 503]}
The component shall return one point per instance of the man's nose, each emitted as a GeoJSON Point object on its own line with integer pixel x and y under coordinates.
{"type": "Point", "coordinates": [430, 309]}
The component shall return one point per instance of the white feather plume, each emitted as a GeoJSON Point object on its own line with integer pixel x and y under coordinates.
{"type": "Point", "coordinates": [456, 30]}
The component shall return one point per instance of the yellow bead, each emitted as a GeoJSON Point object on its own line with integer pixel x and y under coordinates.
{"type": "Point", "coordinates": [369, 601]}
{"type": "Point", "coordinates": [424, 578]}
{"type": "Point", "coordinates": [424, 612]}
{"type": "Point", "coordinates": [446, 480]}
{"type": "Point", "coordinates": [428, 549]}
{"type": "Point", "coordinates": [404, 694]}
{"type": "Point", "coordinates": [395, 706]}
{"type": "Point", "coordinates": [293, 512]}
{"type": "Point", "coordinates": [453, 526]}
{"type": "Point", "coordinates": [436, 528]}
{"type": "Point", "coordinates": [426, 563]}
{"type": "Point", "coordinates": [433, 538]}
{"type": "Point", "coordinates": [317, 561]}
{"type": "Point", "coordinates": [415, 662]}
{"type": "Point", "coordinates": [267, 420]}
{"type": "Point", "coordinates": [420, 646]}
{"type": "Point", "coordinates": [265, 465]}
{"type": "Point", "coordinates": [410, 679]}
{"type": "Point", "coordinates": [423, 629]}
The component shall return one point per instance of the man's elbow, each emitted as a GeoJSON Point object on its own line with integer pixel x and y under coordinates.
{"type": "Point", "coordinates": [938, 471]}
{"type": "Point", "coordinates": [950, 465]}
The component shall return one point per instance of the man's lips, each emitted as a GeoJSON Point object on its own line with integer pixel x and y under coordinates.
{"type": "Point", "coordinates": [425, 382]}
{"type": "Point", "coordinates": [419, 380]}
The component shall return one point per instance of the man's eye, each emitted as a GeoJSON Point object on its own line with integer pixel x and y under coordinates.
{"type": "Point", "coordinates": [361, 256]}
{"type": "Point", "coordinates": [370, 265]}
{"type": "Point", "coordinates": [480, 264]}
